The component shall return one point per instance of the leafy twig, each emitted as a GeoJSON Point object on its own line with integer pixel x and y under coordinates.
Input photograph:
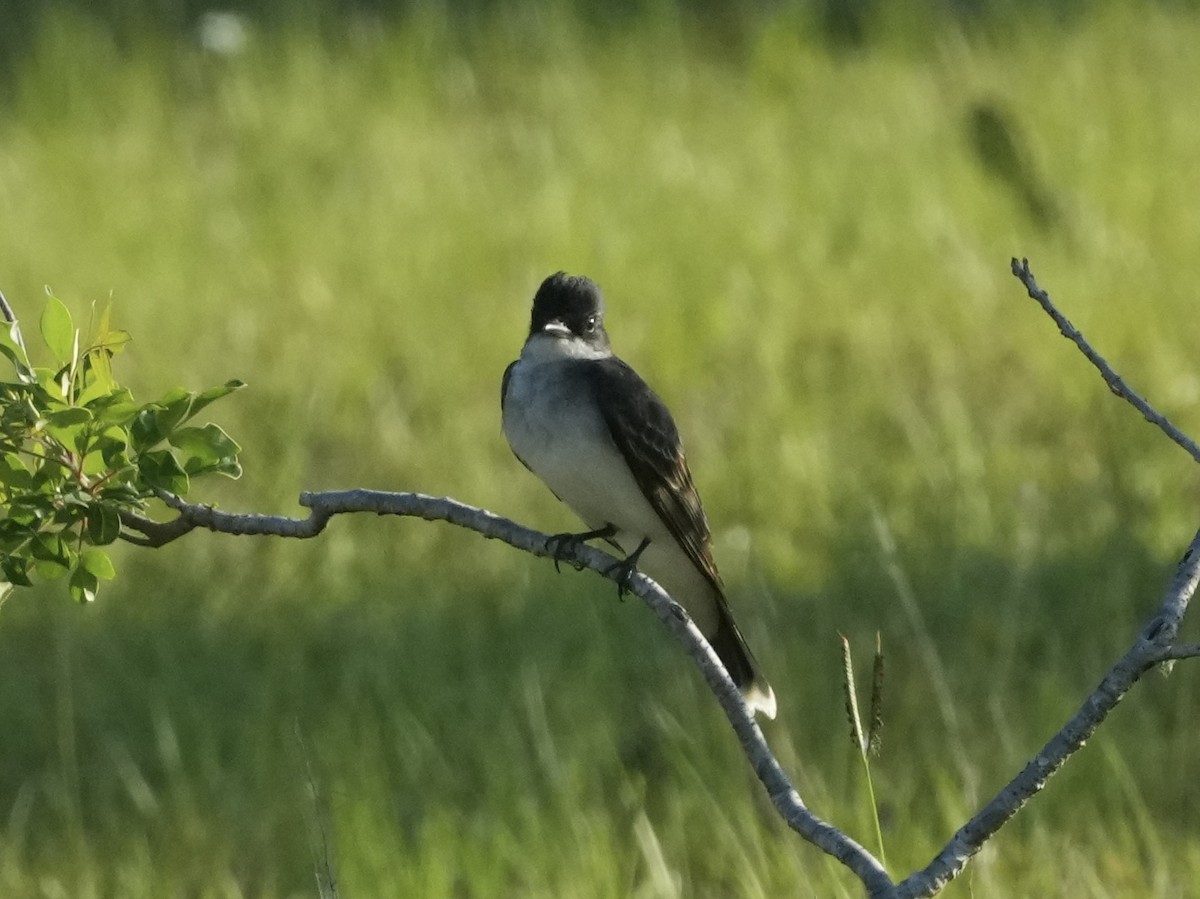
{"type": "Point", "coordinates": [1114, 381]}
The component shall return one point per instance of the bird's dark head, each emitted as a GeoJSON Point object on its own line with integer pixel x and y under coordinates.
{"type": "Point", "coordinates": [570, 308]}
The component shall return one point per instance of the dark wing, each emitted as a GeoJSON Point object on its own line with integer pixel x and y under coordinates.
{"type": "Point", "coordinates": [644, 432]}
{"type": "Point", "coordinates": [503, 396]}
{"type": "Point", "coordinates": [504, 383]}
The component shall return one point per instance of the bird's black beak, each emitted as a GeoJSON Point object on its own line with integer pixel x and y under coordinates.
{"type": "Point", "coordinates": [556, 328]}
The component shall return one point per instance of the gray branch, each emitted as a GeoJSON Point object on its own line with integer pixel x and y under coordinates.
{"type": "Point", "coordinates": [1182, 651]}
{"type": "Point", "coordinates": [323, 506]}
{"type": "Point", "coordinates": [1114, 381]}
{"type": "Point", "coordinates": [1153, 645]}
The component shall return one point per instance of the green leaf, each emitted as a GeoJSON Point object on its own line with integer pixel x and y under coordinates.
{"type": "Point", "coordinates": [50, 548]}
{"type": "Point", "coordinates": [98, 563]}
{"type": "Point", "coordinates": [46, 481]}
{"type": "Point", "coordinates": [103, 524]}
{"type": "Point", "coordinates": [10, 336]}
{"type": "Point", "coordinates": [69, 426]}
{"type": "Point", "coordinates": [12, 345]}
{"type": "Point", "coordinates": [144, 432]}
{"type": "Point", "coordinates": [83, 585]}
{"type": "Point", "coordinates": [68, 417]}
{"type": "Point", "coordinates": [174, 408]}
{"type": "Point", "coordinates": [105, 336]}
{"type": "Point", "coordinates": [124, 494]}
{"type": "Point", "coordinates": [69, 439]}
{"type": "Point", "coordinates": [18, 362]}
{"type": "Point", "coordinates": [58, 330]}
{"type": "Point", "coordinates": [13, 473]}
{"type": "Point", "coordinates": [115, 341]}
{"type": "Point", "coordinates": [15, 542]}
{"type": "Point", "coordinates": [76, 498]}
{"type": "Point", "coordinates": [231, 468]}
{"type": "Point", "coordinates": [16, 570]}
{"type": "Point", "coordinates": [95, 385]}
{"type": "Point", "coordinates": [51, 569]}
{"type": "Point", "coordinates": [30, 510]}
{"type": "Point", "coordinates": [160, 468]}
{"type": "Point", "coordinates": [204, 449]}
{"type": "Point", "coordinates": [214, 393]}
{"type": "Point", "coordinates": [113, 445]}
{"type": "Point", "coordinates": [115, 407]}
{"type": "Point", "coordinates": [50, 385]}
{"type": "Point", "coordinates": [157, 420]}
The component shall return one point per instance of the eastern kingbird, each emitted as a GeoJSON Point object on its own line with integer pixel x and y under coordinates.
{"type": "Point", "coordinates": [596, 434]}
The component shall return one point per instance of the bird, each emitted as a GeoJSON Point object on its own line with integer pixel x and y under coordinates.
{"type": "Point", "coordinates": [587, 425]}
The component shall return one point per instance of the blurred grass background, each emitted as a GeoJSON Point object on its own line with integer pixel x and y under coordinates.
{"type": "Point", "coordinates": [802, 218]}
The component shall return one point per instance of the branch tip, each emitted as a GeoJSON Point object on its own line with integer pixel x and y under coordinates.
{"type": "Point", "coordinates": [1114, 381]}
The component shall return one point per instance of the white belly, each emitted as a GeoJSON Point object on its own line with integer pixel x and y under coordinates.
{"type": "Point", "coordinates": [553, 425]}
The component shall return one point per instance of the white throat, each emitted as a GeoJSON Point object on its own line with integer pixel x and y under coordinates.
{"type": "Point", "coordinates": [543, 347]}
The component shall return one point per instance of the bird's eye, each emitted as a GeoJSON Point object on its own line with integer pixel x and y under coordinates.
{"type": "Point", "coordinates": [589, 326]}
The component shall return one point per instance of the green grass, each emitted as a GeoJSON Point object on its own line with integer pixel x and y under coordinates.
{"type": "Point", "coordinates": [803, 252]}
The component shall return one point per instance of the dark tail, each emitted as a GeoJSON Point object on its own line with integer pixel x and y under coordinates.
{"type": "Point", "coordinates": [743, 668]}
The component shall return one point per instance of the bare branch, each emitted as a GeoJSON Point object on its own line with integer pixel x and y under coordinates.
{"type": "Point", "coordinates": [1148, 650]}
{"type": "Point", "coordinates": [1154, 645]}
{"type": "Point", "coordinates": [1182, 651]}
{"type": "Point", "coordinates": [152, 533]}
{"type": "Point", "coordinates": [324, 506]}
{"type": "Point", "coordinates": [1114, 381]}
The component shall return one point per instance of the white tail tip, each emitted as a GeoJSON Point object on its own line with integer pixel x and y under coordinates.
{"type": "Point", "coordinates": [761, 698]}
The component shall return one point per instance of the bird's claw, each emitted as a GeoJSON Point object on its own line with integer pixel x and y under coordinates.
{"type": "Point", "coordinates": [560, 545]}
{"type": "Point", "coordinates": [622, 572]}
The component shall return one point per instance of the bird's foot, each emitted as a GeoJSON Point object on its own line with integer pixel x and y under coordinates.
{"type": "Point", "coordinates": [559, 546]}
{"type": "Point", "coordinates": [622, 572]}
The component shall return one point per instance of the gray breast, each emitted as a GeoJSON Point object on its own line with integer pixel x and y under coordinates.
{"type": "Point", "coordinates": [554, 426]}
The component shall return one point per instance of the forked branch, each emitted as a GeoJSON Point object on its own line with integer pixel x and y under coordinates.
{"type": "Point", "coordinates": [1154, 645]}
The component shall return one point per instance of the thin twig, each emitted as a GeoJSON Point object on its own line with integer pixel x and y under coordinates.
{"type": "Point", "coordinates": [1182, 651]}
{"type": "Point", "coordinates": [1155, 644]}
{"type": "Point", "coordinates": [1114, 381]}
